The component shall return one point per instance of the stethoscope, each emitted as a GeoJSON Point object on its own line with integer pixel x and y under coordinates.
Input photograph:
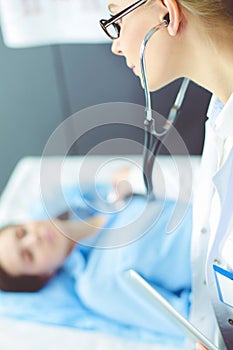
{"type": "Point", "coordinates": [152, 138]}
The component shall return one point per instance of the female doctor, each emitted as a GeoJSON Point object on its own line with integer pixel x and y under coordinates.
{"type": "Point", "coordinates": [195, 40]}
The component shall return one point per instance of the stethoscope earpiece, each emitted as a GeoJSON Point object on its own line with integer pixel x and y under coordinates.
{"type": "Point", "coordinates": [167, 18]}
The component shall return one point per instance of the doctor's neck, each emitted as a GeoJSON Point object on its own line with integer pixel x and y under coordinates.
{"type": "Point", "coordinates": [211, 62]}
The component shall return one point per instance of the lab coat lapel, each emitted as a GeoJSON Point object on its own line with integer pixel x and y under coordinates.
{"type": "Point", "coordinates": [223, 181]}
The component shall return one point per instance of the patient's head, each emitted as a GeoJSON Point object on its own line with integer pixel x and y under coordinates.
{"type": "Point", "coordinates": [30, 254]}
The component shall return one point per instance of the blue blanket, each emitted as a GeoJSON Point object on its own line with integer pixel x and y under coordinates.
{"type": "Point", "coordinates": [89, 292]}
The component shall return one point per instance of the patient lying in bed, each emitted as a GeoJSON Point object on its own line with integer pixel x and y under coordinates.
{"type": "Point", "coordinates": [84, 281]}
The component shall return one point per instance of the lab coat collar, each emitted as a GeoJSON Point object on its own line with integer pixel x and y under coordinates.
{"type": "Point", "coordinates": [221, 117]}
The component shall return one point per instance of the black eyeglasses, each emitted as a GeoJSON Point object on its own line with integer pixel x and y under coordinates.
{"type": "Point", "coordinates": [111, 27]}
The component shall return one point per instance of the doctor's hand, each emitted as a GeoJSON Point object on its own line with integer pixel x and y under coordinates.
{"type": "Point", "coordinates": [199, 346]}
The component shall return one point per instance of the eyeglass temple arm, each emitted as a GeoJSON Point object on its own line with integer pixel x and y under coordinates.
{"type": "Point", "coordinates": [122, 13]}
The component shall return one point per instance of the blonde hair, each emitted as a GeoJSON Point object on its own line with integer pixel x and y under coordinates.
{"type": "Point", "coordinates": [210, 10]}
{"type": "Point", "coordinates": [212, 13]}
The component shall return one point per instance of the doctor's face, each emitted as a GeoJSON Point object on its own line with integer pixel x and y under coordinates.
{"type": "Point", "coordinates": [134, 26]}
{"type": "Point", "coordinates": [34, 248]}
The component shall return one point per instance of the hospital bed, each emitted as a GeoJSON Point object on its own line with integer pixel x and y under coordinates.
{"type": "Point", "coordinates": [24, 187]}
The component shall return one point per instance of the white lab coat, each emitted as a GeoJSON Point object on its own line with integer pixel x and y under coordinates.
{"type": "Point", "coordinates": [212, 230]}
{"type": "Point", "coordinates": [209, 242]}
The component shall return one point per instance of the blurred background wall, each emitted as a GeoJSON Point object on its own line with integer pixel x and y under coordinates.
{"type": "Point", "coordinates": [42, 86]}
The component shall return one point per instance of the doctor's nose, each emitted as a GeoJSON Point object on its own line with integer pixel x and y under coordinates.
{"type": "Point", "coordinates": [116, 48]}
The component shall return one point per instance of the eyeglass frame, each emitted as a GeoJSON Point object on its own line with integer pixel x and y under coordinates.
{"type": "Point", "coordinates": [104, 23]}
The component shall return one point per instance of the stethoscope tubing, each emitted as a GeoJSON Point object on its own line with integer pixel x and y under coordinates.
{"type": "Point", "coordinates": [152, 138]}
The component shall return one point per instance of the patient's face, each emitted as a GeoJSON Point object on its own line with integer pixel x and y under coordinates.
{"type": "Point", "coordinates": [34, 248]}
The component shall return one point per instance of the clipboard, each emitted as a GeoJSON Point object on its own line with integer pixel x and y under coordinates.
{"type": "Point", "coordinates": [159, 303]}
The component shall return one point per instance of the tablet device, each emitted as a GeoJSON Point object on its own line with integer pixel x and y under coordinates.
{"type": "Point", "coordinates": [161, 304]}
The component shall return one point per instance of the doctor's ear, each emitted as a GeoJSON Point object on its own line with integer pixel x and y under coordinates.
{"type": "Point", "coordinates": [173, 17]}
